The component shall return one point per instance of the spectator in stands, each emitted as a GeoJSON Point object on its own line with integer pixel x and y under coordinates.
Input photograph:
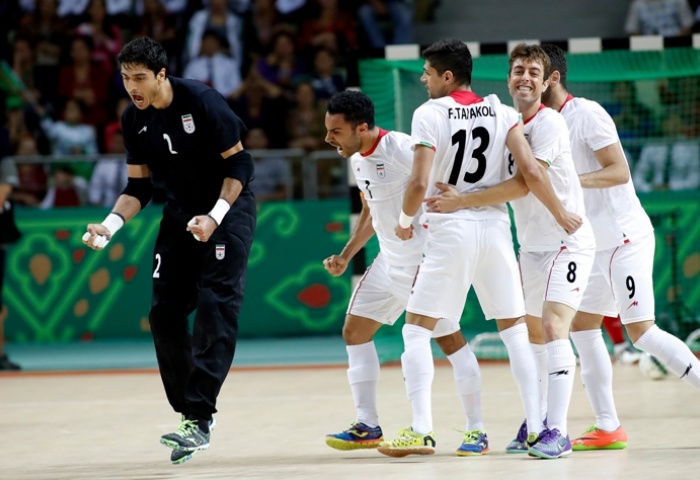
{"type": "Point", "coordinates": [328, 26]}
{"type": "Point", "coordinates": [273, 177]}
{"type": "Point", "coordinates": [670, 18]}
{"type": "Point", "coordinates": [85, 81]}
{"type": "Point", "coordinates": [106, 35]}
{"type": "Point", "coordinates": [213, 67]}
{"type": "Point", "coordinates": [306, 120]}
{"type": "Point", "coordinates": [32, 179]}
{"type": "Point", "coordinates": [109, 177]}
{"type": "Point", "coordinates": [70, 136]}
{"type": "Point", "coordinates": [157, 23]}
{"type": "Point", "coordinates": [633, 119]}
{"type": "Point", "coordinates": [218, 18]}
{"type": "Point", "coordinates": [47, 31]}
{"type": "Point", "coordinates": [282, 66]}
{"type": "Point", "coordinates": [263, 22]}
{"type": "Point", "coordinates": [259, 103]}
{"type": "Point", "coordinates": [65, 189]}
{"type": "Point", "coordinates": [325, 80]}
{"type": "Point", "coordinates": [396, 14]}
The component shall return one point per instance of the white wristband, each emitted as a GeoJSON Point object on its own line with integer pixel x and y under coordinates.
{"type": "Point", "coordinates": [405, 220]}
{"type": "Point", "coordinates": [113, 222]}
{"type": "Point", "coordinates": [219, 211]}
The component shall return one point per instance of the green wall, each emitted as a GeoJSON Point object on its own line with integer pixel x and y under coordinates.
{"type": "Point", "coordinates": [58, 290]}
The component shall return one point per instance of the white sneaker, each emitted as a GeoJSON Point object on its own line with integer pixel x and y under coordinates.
{"type": "Point", "coordinates": [626, 354]}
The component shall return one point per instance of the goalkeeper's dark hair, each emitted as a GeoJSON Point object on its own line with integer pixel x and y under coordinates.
{"type": "Point", "coordinates": [144, 51]}
{"type": "Point", "coordinates": [355, 106]}
{"type": "Point", "coordinates": [453, 55]}
{"type": "Point", "coordinates": [556, 56]}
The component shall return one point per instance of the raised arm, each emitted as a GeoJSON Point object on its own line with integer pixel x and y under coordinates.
{"type": "Point", "coordinates": [614, 169]}
{"type": "Point", "coordinates": [449, 200]}
{"type": "Point", "coordinates": [537, 179]}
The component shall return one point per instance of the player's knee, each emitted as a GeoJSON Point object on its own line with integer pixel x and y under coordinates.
{"type": "Point", "coordinates": [450, 344]}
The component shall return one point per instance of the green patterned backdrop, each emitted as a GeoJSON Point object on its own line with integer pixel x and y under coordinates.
{"type": "Point", "coordinates": [57, 290]}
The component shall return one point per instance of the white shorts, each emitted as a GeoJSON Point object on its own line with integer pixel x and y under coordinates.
{"type": "Point", "coordinates": [382, 293]}
{"type": "Point", "coordinates": [461, 253]}
{"type": "Point", "coordinates": [621, 282]}
{"type": "Point", "coordinates": [559, 276]}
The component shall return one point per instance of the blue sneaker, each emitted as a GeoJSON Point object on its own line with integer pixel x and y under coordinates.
{"type": "Point", "coordinates": [475, 443]}
{"type": "Point", "coordinates": [551, 444]}
{"type": "Point", "coordinates": [357, 436]}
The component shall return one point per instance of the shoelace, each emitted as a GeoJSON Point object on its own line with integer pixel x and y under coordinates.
{"type": "Point", "coordinates": [186, 427]}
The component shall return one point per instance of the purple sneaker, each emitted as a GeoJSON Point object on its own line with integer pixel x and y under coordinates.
{"type": "Point", "coordinates": [518, 445]}
{"type": "Point", "coordinates": [551, 444]}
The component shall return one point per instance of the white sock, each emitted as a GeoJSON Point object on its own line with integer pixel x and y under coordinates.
{"type": "Point", "coordinates": [542, 374]}
{"type": "Point", "coordinates": [562, 370]}
{"type": "Point", "coordinates": [523, 366]}
{"type": "Point", "coordinates": [673, 353]}
{"type": "Point", "coordinates": [597, 377]}
{"type": "Point", "coordinates": [418, 372]}
{"type": "Point", "coordinates": [363, 375]}
{"type": "Point", "coordinates": [468, 380]}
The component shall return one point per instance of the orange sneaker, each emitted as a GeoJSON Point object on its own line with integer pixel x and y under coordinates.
{"type": "Point", "coordinates": [597, 439]}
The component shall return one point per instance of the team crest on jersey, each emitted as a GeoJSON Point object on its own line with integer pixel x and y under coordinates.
{"type": "Point", "coordinates": [220, 251]}
{"type": "Point", "coordinates": [381, 173]}
{"type": "Point", "coordinates": [188, 123]}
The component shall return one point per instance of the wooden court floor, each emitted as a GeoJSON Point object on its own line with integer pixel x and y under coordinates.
{"type": "Point", "coordinates": [271, 425]}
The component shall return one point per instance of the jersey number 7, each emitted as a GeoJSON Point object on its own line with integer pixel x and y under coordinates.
{"type": "Point", "coordinates": [460, 138]}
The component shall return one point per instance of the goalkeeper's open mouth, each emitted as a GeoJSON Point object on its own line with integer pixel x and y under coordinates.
{"type": "Point", "coordinates": [139, 100]}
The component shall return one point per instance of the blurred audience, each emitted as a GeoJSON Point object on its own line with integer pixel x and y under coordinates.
{"type": "Point", "coordinates": [306, 120]}
{"type": "Point", "coordinates": [273, 176]}
{"type": "Point", "coordinates": [213, 67]}
{"type": "Point", "coordinates": [110, 175]}
{"type": "Point", "coordinates": [670, 18]}
{"type": "Point", "coordinates": [325, 78]}
{"type": "Point", "coordinates": [282, 66]}
{"type": "Point", "coordinates": [386, 22]}
{"type": "Point", "coordinates": [65, 188]}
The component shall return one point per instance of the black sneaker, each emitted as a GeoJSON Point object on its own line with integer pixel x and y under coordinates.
{"type": "Point", "coordinates": [181, 456]}
{"type": "Point", "coordinates": [6, 364]}
{"type": "Point", "coordinates": [188, 437]}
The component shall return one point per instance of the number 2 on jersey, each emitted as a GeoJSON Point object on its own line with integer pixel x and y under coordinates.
{"type": "Point", "coordinates": [460, 139]}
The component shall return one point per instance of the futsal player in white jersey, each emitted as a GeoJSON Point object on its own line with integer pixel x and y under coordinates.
{"type": "Point", "coordinates": [460, 138]}
{"type": "Point", "coordinates": [555, 266]}
{"type": "Point", "coordinates": [621, 280]}
{"type": "Point", "coordinates": [381, 162]}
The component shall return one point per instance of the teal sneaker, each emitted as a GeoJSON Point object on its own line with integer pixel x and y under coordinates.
{"type": "Point", "coordinates": [551, 444]}
{"type": "Point", "coordinates": [475, 443]}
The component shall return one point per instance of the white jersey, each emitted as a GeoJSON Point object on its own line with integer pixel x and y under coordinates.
{"type": "Point", "coordinates": [468, 134]}
{"type": "Point", "coordinates": [615, 213]}
{"type": "Point", "coordinates": [536, 227]}
{"type": "Point", "coordinates": [382, 175]}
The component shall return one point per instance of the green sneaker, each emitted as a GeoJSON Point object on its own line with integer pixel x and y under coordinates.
{"type": "Point", "coordinates": [181, 456]}
{"type": "Point", "coordinates": [188, 437]}
{"type": "Point", "coordinates": [409, 443]}
{"type": "Point", "coordinates": [475, 443]}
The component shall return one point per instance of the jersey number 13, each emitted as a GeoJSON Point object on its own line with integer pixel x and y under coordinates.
{"type": "Point", "coordinates": [460, 139]}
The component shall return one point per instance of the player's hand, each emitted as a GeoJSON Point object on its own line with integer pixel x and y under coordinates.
{"type": "Point", "coordinates": [335, 265]}
{"type": "Point", "coordinates": [448, 200]}
{"type": "Point", "coordinates": [570, 222]}
{"type": "Point", "coordinates": [202, 227]}
{"type": "Point", "coordinates": [404, 233]}
{"type": "Point", "coordinates": [97, 236]}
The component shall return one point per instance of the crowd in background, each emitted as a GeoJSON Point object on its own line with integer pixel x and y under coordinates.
{"type": "Point", "coordinates": [275, 61]}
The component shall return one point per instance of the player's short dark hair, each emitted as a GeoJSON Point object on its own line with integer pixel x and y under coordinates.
{"type": "Point", "coordinates": [354, 105]}
{"type": "Point", "coordinates": [556, 56]}
{"type": "Point", "coordinates": [453, 55]}
{"type": "Point", "coordinates": [144, 51]}
{"type": "Point", "coordinates": [532, 53]}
